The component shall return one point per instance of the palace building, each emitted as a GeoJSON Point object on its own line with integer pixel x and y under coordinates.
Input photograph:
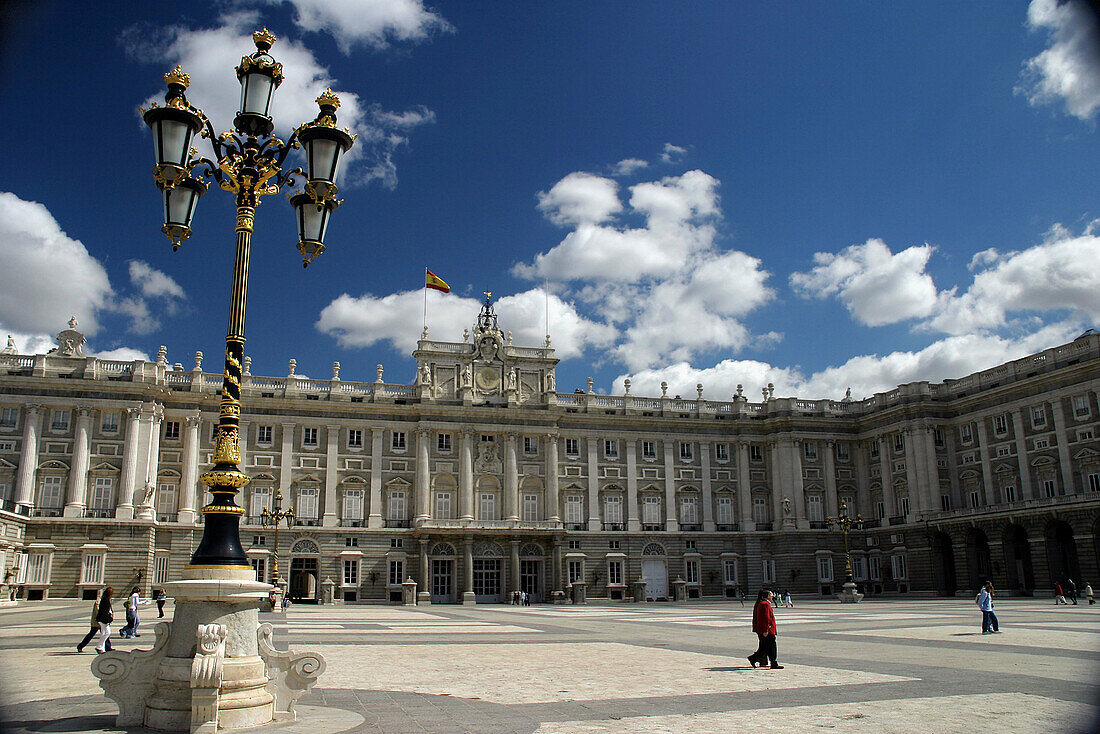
{"type": "Point", "coordinates": [481, 479]}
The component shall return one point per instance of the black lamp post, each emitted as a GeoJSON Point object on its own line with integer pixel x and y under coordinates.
{"type": "Point", "coordinates": [846, 524]}
{"type": "Point", "coordinates": [248, 161]}
{"type": "Point", "coordinates": [273, 516]}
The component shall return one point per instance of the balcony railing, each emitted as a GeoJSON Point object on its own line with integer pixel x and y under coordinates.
{"type": "Point", "coordinates": [307, 522]}
{"type": "Point", "coordinates": [727, 527]}
{"type": "Point", "coordinates": [872, 522]}
{"type": "Point", "coordinates": [46, 512]}
{"type": "Point", "coordinates": [690, 527]}
{"type": "Point", "coordinates": [763, 526]}
{"type": "Point", "coordinates": [818, 525]}
{"type": "Point", "coordinates": [576, 526]}
{"type": "Point", "coordinates": [897, 520]}
{"type": "Point", "coordinates": [348, 523]}
{"type": "Point", "coordinates": [653, 527]}
{"type": "Point", "coordinates": [396, 523]}
{"type": "Point", "coordinates": [98, 512]}
{"type": "Point", "coordinates": [613, 526]}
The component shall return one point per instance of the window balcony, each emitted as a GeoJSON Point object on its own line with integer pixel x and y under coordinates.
{"type": "Point", "coordinates": [652, 527]}
{"type": "Point", "coordinates": [307, 522]}
{"type": "Point", "coordinates": [691, 527]}
{"type": "Point", "coordinates": [98, 512]}
{"type": "Point", "coordinates": [397, 523]}
{"type": "Point", "coordinates": [613, 526]}
{"type": "Point", "coordinates": [763, 526]}
{"type": "Point", "coordinates": [576, 526]}
{"type": "Point", "coordinates": [818, 525]}
{"type": "Point", "coordinates": [727, 527]}
{"type": "Point", "coordinates": [46, 512]}
{"type": "Point", "coordinates": [351, 523]}
{"type": "Point", "coordinates": [897, 520]}
{"type": "Point", "coordinates": [871, 522]}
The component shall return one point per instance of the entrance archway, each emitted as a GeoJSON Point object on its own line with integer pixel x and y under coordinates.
{"type": "Point", "coordinates": [978, 566]}
{"type": "Point", "coordinates": [442, 561]}
{"type": "Point", "coordinates": [1062, 553]}
{"type": "Point", "coordinates": [943, 564]}
{"type": "Point", "coordinates": [531, 571]}
{"type": "Point", "coordinates": [303, 584]}
{"type": "Point", "coordinates": [1018, 565]}
{"type": "Point", "coordinates": [655, 572]}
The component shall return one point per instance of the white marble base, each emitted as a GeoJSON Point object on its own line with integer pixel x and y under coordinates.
{"type": "Point", "coordinates": [849, 595]}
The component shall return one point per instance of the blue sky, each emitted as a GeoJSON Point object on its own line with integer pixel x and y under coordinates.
{"type": "Point", "coordinates": [814, 195]}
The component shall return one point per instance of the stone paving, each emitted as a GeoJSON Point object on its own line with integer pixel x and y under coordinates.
{"type": "Point", "coordinates": [882, 666]}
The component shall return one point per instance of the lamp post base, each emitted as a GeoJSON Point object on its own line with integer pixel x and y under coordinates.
{"type": "Point", "coordinates": [849, 595]}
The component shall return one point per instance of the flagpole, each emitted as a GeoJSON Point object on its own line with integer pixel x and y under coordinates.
{"type": "Point", "coordinates": [425, 299]}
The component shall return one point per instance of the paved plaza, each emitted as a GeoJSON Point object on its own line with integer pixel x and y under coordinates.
{"type": "Point", "coordinates": [881, 666]}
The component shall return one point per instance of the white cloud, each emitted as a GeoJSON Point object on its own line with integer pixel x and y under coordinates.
{"type": "Point", "coordinates": [27, 343]}
{"type": "Point", "coordinates": [123, 354]}
{"type": "Point", "coordinates": [580, 198]}
{"type": "Point", "coordinates": [397, 319]}
{"type": "Point", "coordinates": [672, 153]}
{"type": "Point", "coordinates": [1069, 69]}
{"type": "Point", "coordinates": [628, 166]}
{"type": "Point", "coordinates": [47, 276]}
{"type": "Point", "coordinates": [374, 23]}
{"type": "Point", "coordinates": [154, 283]}
{"type": "Point", "coordinates": [877, 286]}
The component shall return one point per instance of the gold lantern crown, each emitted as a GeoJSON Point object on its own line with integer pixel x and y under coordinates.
{"type": "Point", "coordinates": [177, 76]}
{"type": "Point", "coordinates": [264, 39]}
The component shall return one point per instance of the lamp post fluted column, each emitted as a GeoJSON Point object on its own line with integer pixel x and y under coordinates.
{"type": "Point", "coordinates": [845, 523]}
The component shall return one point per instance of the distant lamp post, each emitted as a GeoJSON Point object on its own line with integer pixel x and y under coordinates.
{"type": "Point", "coordinates": [846, 524]}
{"type": "Point", "coordinates": [273, 516]}
{"type": "Point", "coordinates": [247, 161]}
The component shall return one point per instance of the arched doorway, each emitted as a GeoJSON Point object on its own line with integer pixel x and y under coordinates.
{"type": "Point", "coordinates": [1062, 553]}
{"type": "Point", "coordinates": [943, 565]}
{"type": "Point", "coordinates": [303, 572]}
{"type": "Point", "coordinates": [488, 573]}
{"type": "Point", "coordinates": [441, 558]}
{"type": "Point", "coordinates": [1018, 566]}
{"type": "Point", "coordinates": [531, 571]}
{"type": "Point", "coordinates": [978, 566]}
{"type": "Point", "coordinates": [655, 572]}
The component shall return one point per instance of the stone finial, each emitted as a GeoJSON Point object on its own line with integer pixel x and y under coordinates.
{"type": "Point", "coordinates": [72, 322]}
{"type": "Point", "coordinates": [248, 365]}
{"type": "Point", "coordinates": [764, 393]}
{"type": "Point", "coordinates": [198, 362]}
{"type": "Point", "coordinates": [177, 367]}
{"type": "Point", "coordinates": [424, 334]}
{"type": "Point", "coordinates": [509, 338]}
{"type": "Point", "coordinates": [664, 389]}
{"type": "Point", "coordinates": [626, 386]}
{"type": "Point", "coordinates": [771, 391]}
{"type": "Point", "coordinates": [465, 335]}
{"type": "Point", "coordinates": [699, 390]}
{"type": "Point", "coordinates": [547, 341]}
{"type": "Point", "coordinates": [740, 389]}
{"type": "Point", "coordinates": [336, 371]}
{"type": "Point", "coordinates": [378, 373]}
{"type": "Point", "coordinates": [162, 355]}
{"type": "Point", "coordinates": [589, 382]}
{"type": "Point", "coordinates": [291, 366]}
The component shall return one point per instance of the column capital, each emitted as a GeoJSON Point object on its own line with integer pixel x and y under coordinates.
{"type": "Point", "coordinates": [287, 424]}
{"type": "Point", "coordinates": [194, 420]}
{"type": "Point", "coordinates": [512, 436]}
{"type": "Point", "coordinates": [84, 410]}
{"type": "Point", "coordinates": [33, 408]}
{"type": "Point", "coordinates": [830, 441]}
{"type": "Point", "coordinates": [552, 435]}
{"type": "Point", "coordinates": [423, 432]}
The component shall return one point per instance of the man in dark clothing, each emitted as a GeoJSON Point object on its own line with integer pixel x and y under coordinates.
{"type": "Point", "coordinates": [1072, 591]}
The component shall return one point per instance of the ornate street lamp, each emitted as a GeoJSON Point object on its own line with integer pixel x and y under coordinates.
{"type": "Point", "coordinates": [273, 516]}
{"type": "Point", "coordinates": [845, 524]}
{"type": "Point", "coordinates": [247, 161]}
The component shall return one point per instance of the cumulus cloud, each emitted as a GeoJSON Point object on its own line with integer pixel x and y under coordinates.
{"type": "Point", "coordinates": [123, 354]}
{"type": "Point", "coordinates": [1068, 71]}
{"type": "Point", "coordinates": [877, 286]}
{"type": "Point", "coordinates": [374, 23]}
{"type": "Point", "coordinates": [672, 153]}
{"type": "Point", "coordinates": [580, 198]}
{"type": "Point", "coordinates": [396, 318]}
{"type": "Point", "coordinates": [628, 166]}
{"type": "Point", "coordinates": [47, 276]}
{"type": "Point", "coordinates": [154, 283]}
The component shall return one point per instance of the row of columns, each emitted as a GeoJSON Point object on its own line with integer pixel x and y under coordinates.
{"type": "Point", "coordinates": [512, 583]}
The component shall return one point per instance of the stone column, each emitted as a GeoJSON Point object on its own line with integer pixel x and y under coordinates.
{"type": "Point", "coordinates": [425, 580]}
{"type": "Point", "coordinates": [744, 487]}
{"type": "Point", "coordinates": [555, 572]}
{"type": "Point", "coordinates": [794, 469]}
{"type": "Point", "coordinates": [553, 511]}
{"type": "Point", "coordinates": [776, 483]}
{"type": "Point", "coordinates": [190, 474]}
{"type": "Point", "coordinates": [987, 467]}
{"type": "Point", "coordinates": [28, 459]}
{"type": "Point", "coordinates": [286, 461]}
{"type": "Point", "coordinates": [863, 480]}
{"type": "Point", "coordinates": [515, 565]}
{"type": "Point", "coordinates": [423, 480]}
{"type": "Point", "coordinates": [914, 472]}
{"type": "Point", "coordinates": [1026, 490]}
{"type": "Point", "coordinates": [374, 520]}
{"type": "Point", "coordinates": [886, 475]}
{"type": "Point", "coordinates": [332, 477]}
{"type": "Point", "coordinates": [468, 563]}
{"type": "Point", "coordinates": [632, 519]}
{"type": "Point", "coordinates": [933, 469]}
{"type": "Point", "coordinates": [670, 486]}
{"type": "Point", "coordinates": [125, 508]}
{"type": "Point", "coordinates": [511, 480]}
{"type": "Point", "coordinates": [832, 508]}
{"type": "Point", "coordinates": [147, 509]}
{"type": "Point", "coordinates": [593, 484]}
{"type": "Point", "coordinates": [466, 475]}
{"type": "Point", "coordinates": [708, 490]}
{"type": "Point", "coordinates": [957, 500]}
{"type": "Point", "coordinates": [1068, 485]}
{"type": "Point", "coordinates": [78, 474]}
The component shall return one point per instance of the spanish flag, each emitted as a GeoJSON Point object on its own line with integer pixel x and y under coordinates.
{"type": "Point", "coordinates": [431, 280]}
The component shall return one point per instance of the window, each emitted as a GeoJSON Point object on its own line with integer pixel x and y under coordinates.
{"type": "Point", "coordinates": [574, 545]}
{"type": "Point", "coordinates": [574, 509]}
{"type": "Point", "coordinates": [530, 507]}
{"type": "Point", "coordinates": [614, 573]}
{"type": "Point", "coordinates": [91, 569]}
{"type": "Point", "coordinates": [353, 504]}
{"type": "Point", "coordinates": [899, 566]}
{"type": "Point", "coordinates": [874, 567]}
{"type": "Point", "coordinates": [51, 497]}
{"type": "Point", "coordinates": [814, 508]}
{"type": "Point", "coordinates": [259, 567]}
{"type": "Point", "coordinates": [649, 450]}
{"type": "Point", "coordinates": [729, 571]}
{"type": "Point", "coordinates": [939, 437]}
{"type": "Point", "coordinates": [842, 452]}
{"type": "Point", "coordinates": [688, 510]}
{"type": "Point", "coordinates": [487, 507]}
{"type": "Point", "coordinates": [691, 571]}
{"type": "Point", "coordinates": [966, 433]}
{"type": "Point", "coordinates": [1085, 435]}
{"type": "Point", "coordinates": [9, 416]}
{"type": "Point", "coordinates": [975, 498]}
{"type": "Point", "coordinates": [759, 509]}
{"type": "Point", "coordinates": [767, 570]}
{"type": "Point", "coordinates": [1009, 492]}
{"type": "Point", "coordinates": [351, 572]}
{"type": "Point", "coordinates": [1049, 490]}
{"type": "Point", "coordinates": [264, 433]}
{"type": "Point", "coordinates": [571, 447]}
{"type": "Point", "coordinates": [611, 449]}
{"type": "Point", "coordinates": [530, 445]}
{"type": "Point", "coordinates": [613, 509]}
{"type": "Point", "coordinates": [355, 438]}
{"type": "Point", "coordinates": [396, 572]}
{"type": "Point", "coordinates": [725, 511]}
{"type": "Point", "coordinates": [1093, 482]}
{"type": "Point", "coordinates": [685, 451]}
{"type": "Point", "coordinates": [859, 568]}
{"type": "Point", "coordinates": [1042, 443]}
{"type": "Point", "coordinates": [486, 438]}
{"type": "Point", "coordinates": [109, 422]}
{"type": "Point", "coordinates": [171, 430]}
{"type": "Point", "coordinates": [1004, 451]}
{"type": "Point", "coordinates": [689, 545]}
{"type": "Point", "coordinates": [874, 449]}
{"type": "Point", "coordinates": [651, 510]}
{"type": "Point", "coordinates": [443, 442]}
{"type": "Point", "coordinates": [160, 568]}
{"type": "Point", "coordinates": [397, 543]}
{"type": "Point", "coordinates": [396, 509]}
{"type": "Point", "coordinates": [1080, 406]}
{"type": "Point", "coordinates": [899, 442]}
{"type": "Point", "coordinates": [309, 436]}
{"type": "Point", "coordinates": [60, 420]}
{"type": "Point", "coordinates": [442, 509]}
{"type": "Point", "coordinates": [103, 493]}
{"type": "Point", "coordinates": [903, 505]}
{"type": "Point", "coordinates": [1000, 424]}
{"type": "Point", "coordinates": [260, 540]}
{"type": "Point", "coordinates": [260, 499]}
{"type": "Point", "coordinates": [880, 509]}
{"type": "Point", "coordinates": [576, 570]}
{"type": "Point", "coordinates": [38, 569]}
{"type": "Point", "coordinates": [398, 441]}
{"type": "Point", "coordinates": [166, 500]}
{"type": "Point", "coordinates": [755, 452]}
{"type": "Point", "coordinates": [809, 448]}
{"type": "Point", "coordinates": [613, 544]}
{"type": "Point", "coordinates": [1038, 417]}
{"type": "Point", "coordinates": [351, 542]}
{"type": "Point", "coordinates": [945, 502]}
{"type": "Point", "coordinates": [307, 503]}
{"type": "Point", "coordinates": [721, 452]}
{"type": "Point", "coordinates": [825, 568]}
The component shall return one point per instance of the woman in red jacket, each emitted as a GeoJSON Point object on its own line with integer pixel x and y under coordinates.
{"type": "Point", "coordinates": [763, 624]}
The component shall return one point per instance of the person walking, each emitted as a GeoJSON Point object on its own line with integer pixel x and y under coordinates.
{"type": "Point", "coordinates": [1088, 594]}
{"type": "Point", "coordinates": [985, 603]}
{"type": "Point", "coordinates": [1072, 591]}
{"type": "Point", "coordinates": [763, 624]}
{"type": "Point", "coordinates": [93, 631]}
{"type": "Point", "coordinates": [160, 597]}
{"type": "Point", "coordinates": [788, 602]}
{"type": "Point", "coordinates": [104, 616]}
{"type": "Point", "coordinates": [740, 595]}
{"type": "Point", "coordinates": [132, 618]}
{"type": "Point", "coordinates": [1059, 595]}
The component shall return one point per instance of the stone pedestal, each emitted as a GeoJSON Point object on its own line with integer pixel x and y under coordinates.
{"type": "Point", "coordinates": [849, 595]}
{"type": "Point", "coordinates": [213, 667]}
{"type": "Point", "coordinates": [408, 592]}
{"type": "Point", "coordinates": [679, 589]}
{"type": "Point", "coordinates": [580, 592]}
{"type": "Point", "coordinates": [328, 591]}
{"type": "Point", "coordinates": [557, 597]}
{"type": "Point", "coordinates": [423, 597]}
{"type": "Point", "coordinates": [468, 597]}
{"type": "Point", "coordinates": [639, 590]}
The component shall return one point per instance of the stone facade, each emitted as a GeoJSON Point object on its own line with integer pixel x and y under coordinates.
{"type": "Point", "coordinates": [480, 478]}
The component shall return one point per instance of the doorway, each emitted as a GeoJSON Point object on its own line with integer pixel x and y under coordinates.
{"type": "Point", "coordinates": [443, 581]}
{"type": "Point", "coordinates": [655, 574]}
{"type": "Point", "coordinates": [530, 579]}
{"type": "Point", "coordinates": [487, 580]}
{"type": "Point", "coordinates": [303, 580]}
